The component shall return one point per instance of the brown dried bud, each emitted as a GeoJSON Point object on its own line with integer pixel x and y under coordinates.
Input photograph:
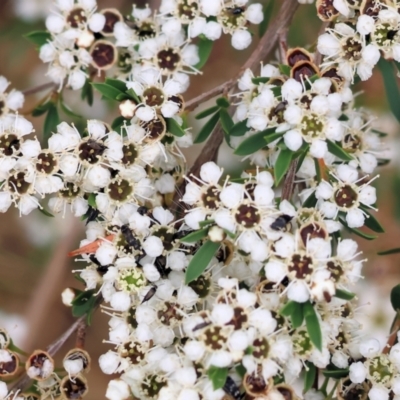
{"type": "Point", "coordinates": [76, 361]}
{"type": "Point", "coordinates": [9, 363]}
{"type": "Point", "coordinates": [303, 69]}
{"type": "Point", "coordinates": [255, 385]}
{"type": "Point", "coordinates": [286, 391]}
{"type": "Point", "coordinates": [104, 54]}
{"type": "Point", "coordinates": [297, 54]}
{"type": "Point", "coordinates": [74, 389]}
{"type": "Point", "coordinates": [39, 365]}
{"type": "Point", "coordinates": [326, 11]}
{"type": "Point", "coordinates": [112, 17]}
{"type": "Point", "coordinates": [155, 129]}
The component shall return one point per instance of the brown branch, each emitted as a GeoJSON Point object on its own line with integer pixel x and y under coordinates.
{"type": "Point", "coordinates": [288, 184]}
{"type": "Point", "coordinates": [392, 337]}
{"type": "Point", "coordinates": [39, 88]}
{"type": "Point", "coordinates": [81, 334]}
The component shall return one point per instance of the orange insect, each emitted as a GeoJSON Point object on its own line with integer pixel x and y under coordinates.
{"type": "Point", "coordinates": [90, 247]}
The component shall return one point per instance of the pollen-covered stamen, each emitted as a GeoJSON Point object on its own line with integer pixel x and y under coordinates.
{"type": "Point", "coordinates": [341, 339]}
{"type": "Point", "coordinates": [187, 10]}
{"type": "Point", "coordinates": [131, 280]}
{"type": "Point", "coordinates": [104, 54]}
{"type": "Point", "coordinates": [311, 126]}
{"type": "Point", "coordinates": [260, 348]}
{"type": "Point", "coordinates": [18, 184]}
{"type": "Point", "coordinates": [312, 231]}
{"type": "Point", "coordinates": [152, 385]}
{"type": "Point", "coordinates": [124, 61]}
{"type": "Point", "coordinates": [74, 389]}
{"type": "Point", "coordinates": [352, 142]}
{"type": "Point", "coordinates": [135, 351]}
{"type": "Point", "coordinates": [336, 270]}
{"type": "Point", "coordinates": [247, 216]}
{"type": "Point", "coordinates": [9, 144]}
{"type": "Point", "coordinates": [155, 129]}
{"type": "Point", "coordinates": [167, 237]}
{"type": "Point", "coordinates": [201, 285]}
{"type": "Point", "coordinates": [214, 337]}
{"type": "Point", "coordinates": [210, 198]}
{"type": "Point", "coordinates": [352, 48]}
{"type": "Point", "coordinates": [47, 163]}
{"type": "Point", "coordinates": [169, 314]}
{"type": "Point", "coordinates": [346, 197]}
{"type": "Point", "coordinates": [385, 34]}
{"type": "Point", "coordinates": [120, 190]}
{"type": "Point", "coordinates": [112, 16]}
{"type": "Point", "coordinates": [168, 59]}
{"type": "Point", "coordinates": [71, 191]}
{"type": "Point", "coordinates": [302, 343]}
{"type": "Point", "coordinates": [130, 154]}
{"type": "Point", "coordinates": [301, 266]}
{"type": "Point", "coordinates": [91, 151]}
{"type": "Point", "coordinates": [153, 97]}
{"type": "Point", "coordinates": [381, 370]}
{"type": "Point", "coordinates": [76, 17]}
{"type": "Point", "coordinates": [240, 318]}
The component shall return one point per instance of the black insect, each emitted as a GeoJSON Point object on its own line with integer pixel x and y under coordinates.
{"type": "Point", "coordinates": [201, 325]}
{"type": "Point", "coordinates": [92, 214]}
{"type": "Point", "coordinates": [101, 269]}
{"type": "Point", "coordinates": [142, 210]}
{"type": "Point", "coordinates": [149, 294]}
{"type": "Point", "coordinates": [391, 34]}
{"type": "Point", "coordinates": [231, 388]}
{"type": "Point", "coordinates": [130, 239]}
{"type": "Point", "coordinates": [161, 264]}
{"type": "Point", "coordinates": [280, 223]}
{"type": "Point", "coordinates": [236, 10]}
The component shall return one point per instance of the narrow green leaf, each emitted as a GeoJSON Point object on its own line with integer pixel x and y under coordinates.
{"type": "Point", "coordinates": [357, 231]}
{"type": "Point", "coordinates": [39, 37]}
{"type": "Point", "coordinates": [336, 150]}
{"type": "Point", "coordinates": [241, 370]}
{"type": "Point", "coordinates": [288, 308]}
{"type": "Point", "coordinates": [195, 236]}
{"type": "Point", "coordinates": [109, 92]}
{"type": "Point", "coordinates": [282, 165]}
{"type": "Point", "coordinates": [205, 47]}
{"type": "Point", "coordinates": [371, 222]}
{"type": "Point", "coordinates": [87, 92]}
{"type": "Point", "coordinates": [226, 120]}
{"type": "Point", "coordinates": [284, 69]}
{"type": "Point", "coordinates": [313, 326]}
{"type": "Point", "coordinates": [395, 298]}
{"type": "Point", "coordinates": [174, 128]}
{"type": "Point", "coordinates": [51, 122]}
{"type": "Point", "coordinates": [41, 109]}
{"type": "Point", "coordinates": [122, 97]}
{"type": "Point", "coordinates": [132, 94]}
{"type": "Point", "coordinates": [390, 82]}
{"type": "Point", "coordinates": [309, 377]}
{"type": "Point", "coordinates": [311, 201]}
{"type": "Point", "coordinates": [217, 376]}
{"type": "Point", "coordinates": [223, 102]}
{"type": "Point", "coordinates": [253, 143]}
{"type": "Point", "coordinates": [67, 110]}
{"type": "Point", "coordinates": [207, 112]}
{"type": "Point", "coordinates": [272, 137]}
{"type": "Point", "coordinates": [206, 222]}
{"type": "Point", "coordinates": [302, 156]}
{"type": "Point", "coordinates": [391, 251]}
{"type": "Point", "coordinates": [262, 28]}
{"type": "Point", "coordinates": [335, 373]}
{"type": "Point", "coordinates": [83, 303]}
{"type": "Point", "coordinates": [120, 85]}
{"type": "Point", "coordinates": [297, 316]}
{"type": "Point", "coordinates": [239, 129]}
{"type": "Point", "coordinates": [200, 260]}
{"type": "Point", "coordinates": [45, 212]}
{"type": "Point", "coordinates": [344, 294]}
{"type": "Point", "coordinates": [207, 128]}
{"type": "Point", "coordinates": [260, 79]}
{"type": "Point", "coordinates": [118, 123]}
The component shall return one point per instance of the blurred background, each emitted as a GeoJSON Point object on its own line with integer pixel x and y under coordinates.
{"type": "Point", "coordinates": [34, 268]}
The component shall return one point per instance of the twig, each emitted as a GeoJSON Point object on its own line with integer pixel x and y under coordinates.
{"type": "Point", "coordinates": [81, 334]}
{"type": "Point", "coordinates": [392, 337]}
{"type": "Point", "coordinates": [288, 184]}
{"type": "Point", "coordinates": [39, 88]}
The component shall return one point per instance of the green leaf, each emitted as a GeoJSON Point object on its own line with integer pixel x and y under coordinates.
{"type": "Point", "coordinates": [262, 28]}
{"type": "Point", "coordinates": [371, 222]}
{"type": "Point", "coordinates": [253, 143]}
{"type": "Point", "coordinates": [390, 82]}
{"type": "Point", "coordinates": [174, 128]}
{"type": "Point", "coordinates": [241, 370]}
{"type": "Point", "coordinates": [206, 222]}
{"type": "Point", "coordinates": [39, 37]}
{"type": "Point", "coordinates": [272, 137]}
{"type": "Point", "coordinates": [217, 376]}
{"type": "Point", "coordinates": [87, 92]}
{"type": "Point", "coordinates": [344, 294]}
{"type": "Point", "coordinates": [297, 316]}
{"type": "Point", "coordinates": [357, 231]}
{"type": "Point", "coordinates": [226, 120]}
{"type": "Point", "coordinates": [282, 165]}
{"type": "Point", "coordinates": [205, 46]}
{"type": "Point", "coordinates": [200, 261]}
{"type": "Point", "coordinates": [311, 201]}
{"type": "Point", "coordinates": [207, 128]}
{"type": "Point", "coordinates": [195, 236]}
{"type": "Point", "coordinates": [288, 308]}
{"type": "Point", "coordinates": [207, 112]}
{"type": "Point", "coordinates": [309, 377]}
{"type": "Point", "coordinates": [109, 92]}
{"type": "Point", "coordinates": [67, 110]}
{"type": "Point", "coordinates": [122, 97]}
{"type": "Point", "coordinates": [41, 109]}
{"type": "Point", "coordinates": [239, 129]}
{"type": "Point", "coordinates": [313, 326]}
{"type": "Point", "coordinates": [132, 94]}
{"type": "Point", "coordinates": [92, 200]}
{"type": "Point", "coordinates": [84, 303]}
{"type": "Point", "coordinates": [45, 212]}
{"type": "Point", "coordinates": [391, 251]}
{"type": "Point", "coordinates": [118, 123]}
{"type": "Point", "coordinates": [395, 298]}
{"type": "Point", "coordinates": [335, 373]}
{"type": "Point", "coordinates": [117, 84]}
{"type": "Point", "coordinates": [223, 102]}
{"type": "Point", "coordinates": [51, 122]}
{"type": "Point", "coordinates": [284, 69]}
{"type": "Point", "coordinates": [260, 79]}
{"type": "Point", "coordinates": [336, 150]}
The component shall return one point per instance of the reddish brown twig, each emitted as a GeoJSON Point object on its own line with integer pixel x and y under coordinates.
{"type": "Point", "coordinates": [39, 88]}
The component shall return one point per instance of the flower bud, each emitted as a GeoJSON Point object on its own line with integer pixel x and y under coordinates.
{"type": "Point", "coordinates": [39, 365]}
{"type": "Point", "coordinates": [76, 361]}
